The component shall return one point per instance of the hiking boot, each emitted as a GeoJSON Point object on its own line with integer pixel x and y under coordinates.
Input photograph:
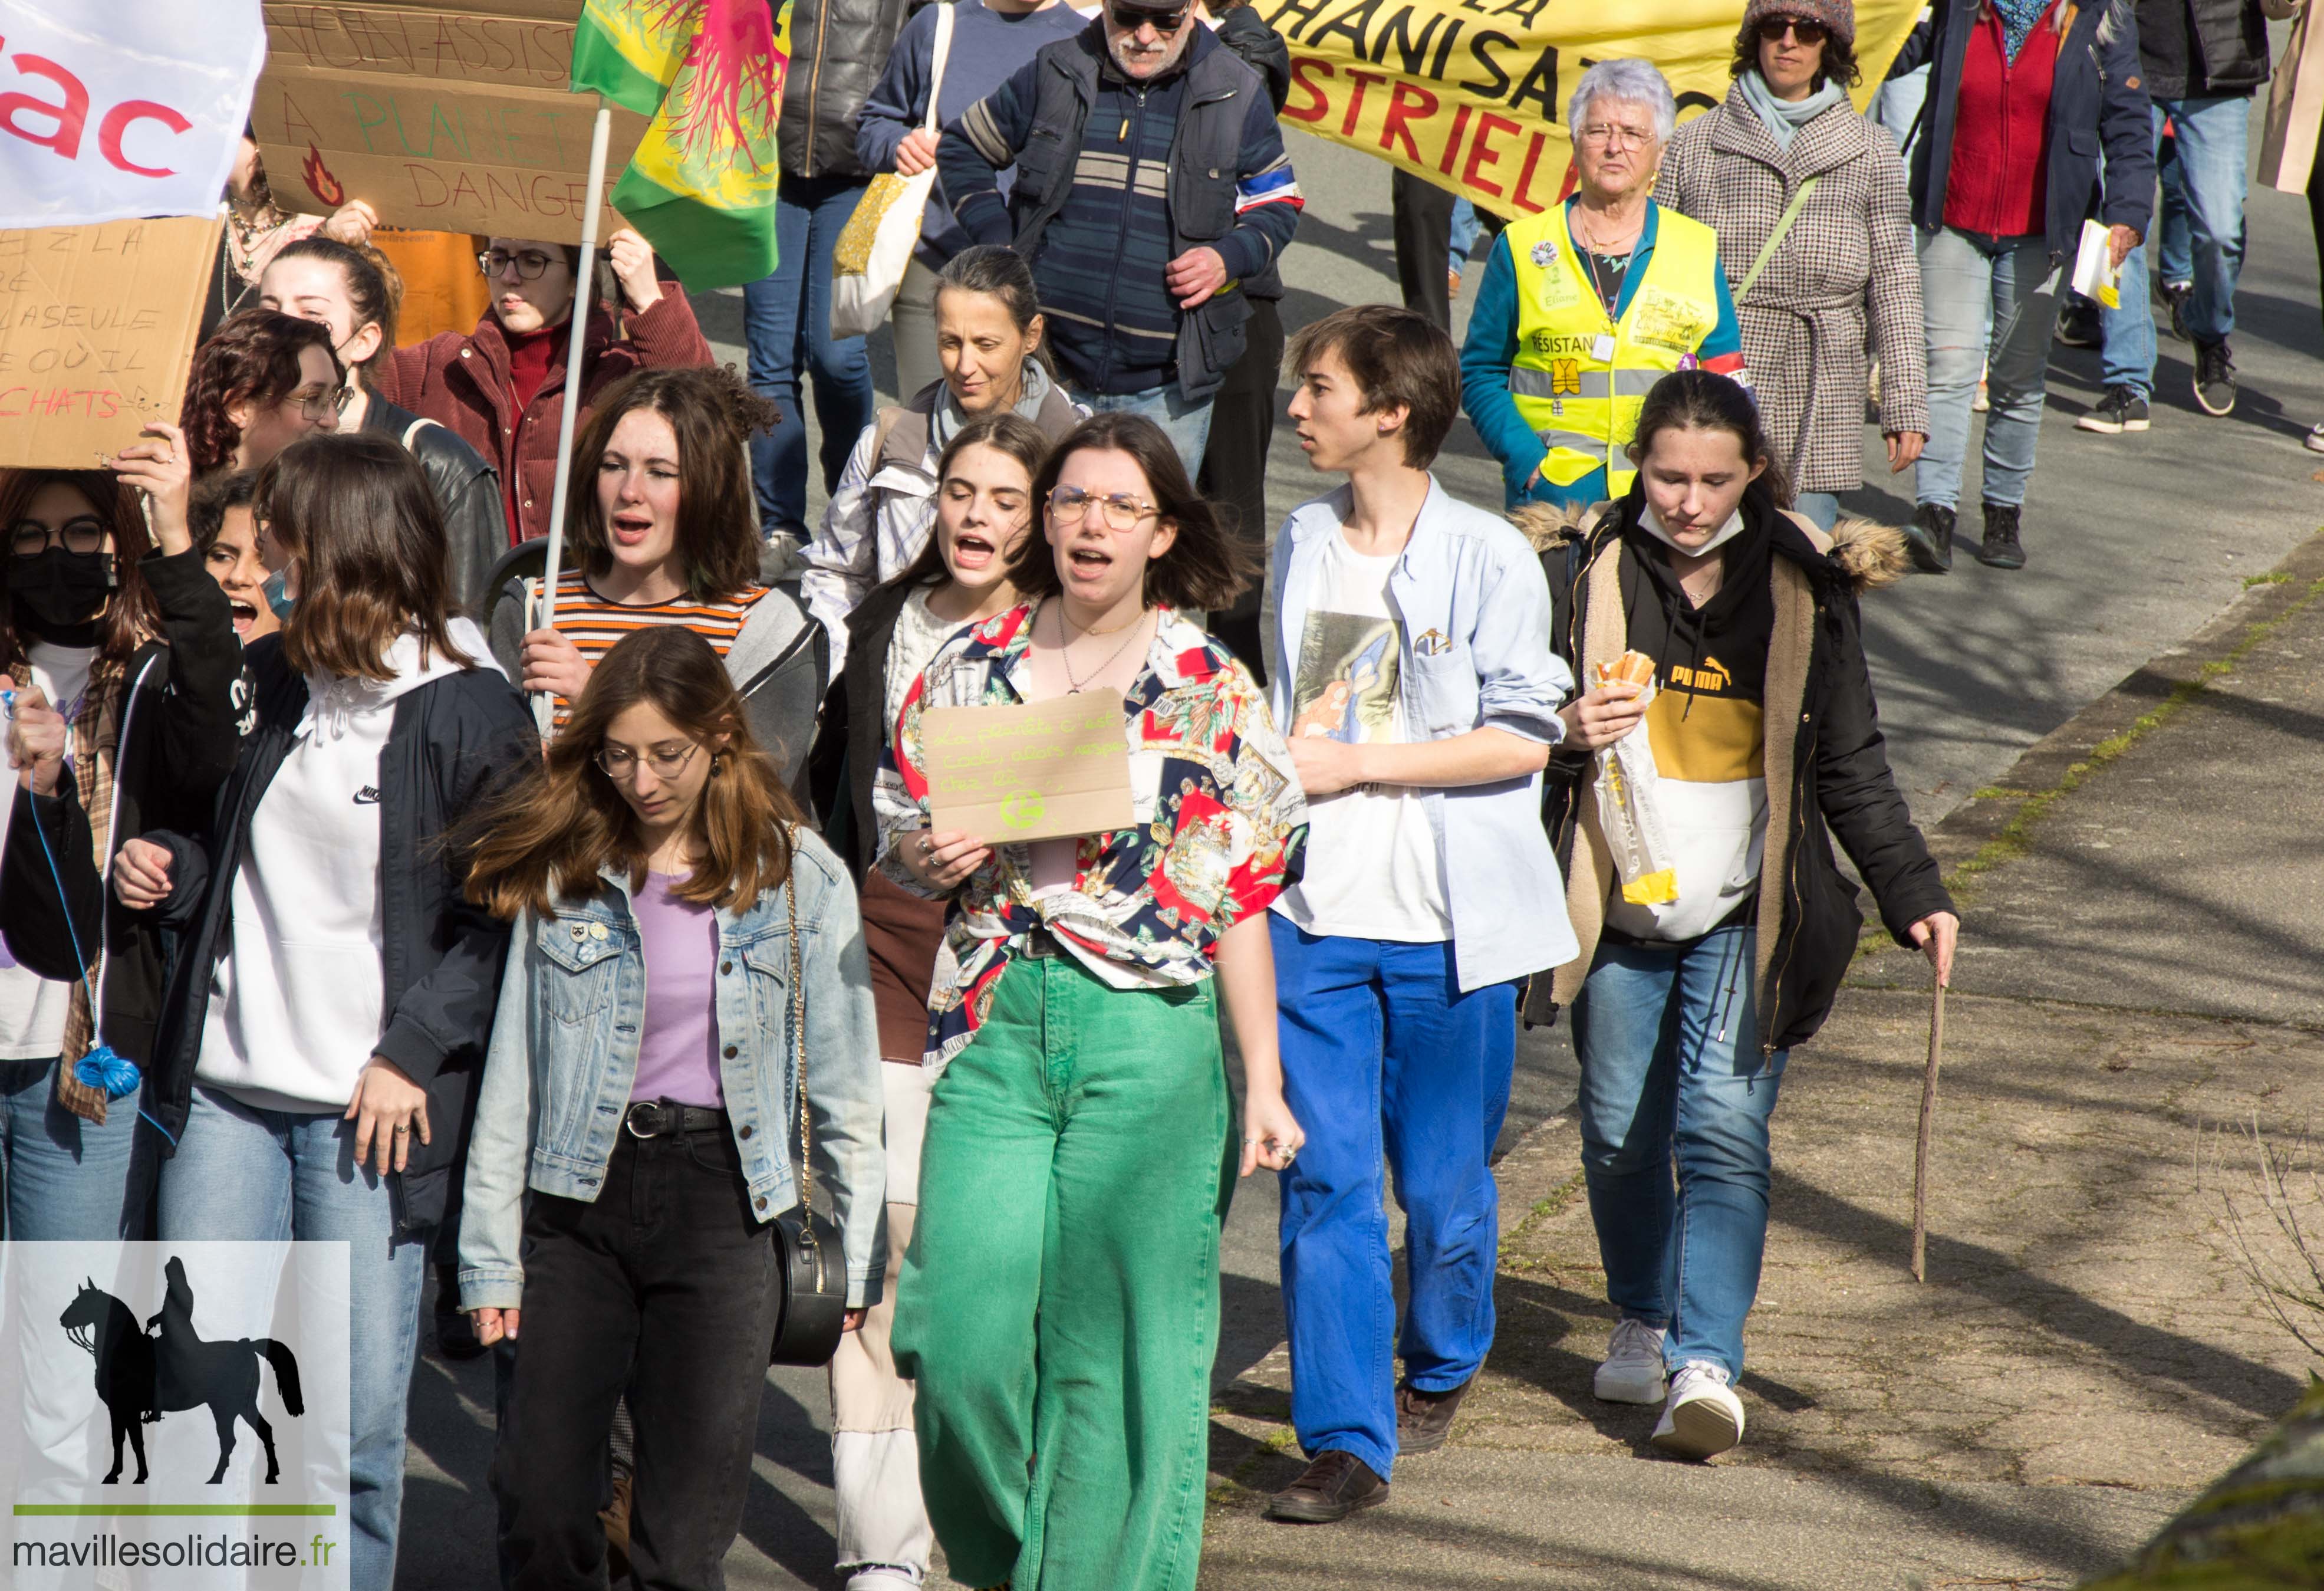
{"type": "Point", "coordinates": [1425, 1420]}
{"type": "Point", "coordinates": [1704, 1417]}
{"type": "Point", "coordinates": [2123, 408]}
{"type": "Point", "coordinates": [2000, 548]}
{"type": "Point", "coordinates": [2078, 324]}
{"type": "Point", "coordinates": [1333, 1487]}
{"type": "Point", "coordinates": [1929, 538]}
{"type": "Point", "coordinates": [2175, 295]}
{"type": "Point", "coordinates": [2215, 378]}
{"type": "Point", "coordinates": [1632, 1369]}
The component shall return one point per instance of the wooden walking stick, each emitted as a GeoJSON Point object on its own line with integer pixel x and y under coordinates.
{"type": "Point", "coordinates": [1928, 1131]}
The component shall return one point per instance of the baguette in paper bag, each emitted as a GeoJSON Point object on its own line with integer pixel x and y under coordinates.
{"type": "Point", "coordinates": [1627, 777]}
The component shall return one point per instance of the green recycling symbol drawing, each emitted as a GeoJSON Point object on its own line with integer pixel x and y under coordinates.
{"type": "Point", "coordinates": [1021, 808]}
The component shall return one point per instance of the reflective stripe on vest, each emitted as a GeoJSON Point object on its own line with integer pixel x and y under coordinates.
{"type": "Point", "coordinates": [1583, 408]}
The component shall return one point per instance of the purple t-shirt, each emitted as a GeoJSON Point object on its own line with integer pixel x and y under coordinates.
{"type": "Point", "coordinates": [678, 1053]}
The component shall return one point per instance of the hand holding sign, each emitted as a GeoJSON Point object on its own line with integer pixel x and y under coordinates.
{"type": "Point", "coordinates": [1048, 770]}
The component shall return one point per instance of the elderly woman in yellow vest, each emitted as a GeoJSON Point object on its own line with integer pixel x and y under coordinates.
{"type": "Point", "coordinates": [1584, 307]}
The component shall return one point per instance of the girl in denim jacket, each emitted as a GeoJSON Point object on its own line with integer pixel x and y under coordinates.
{"type": "Point", "coordinates": [639, 1088]}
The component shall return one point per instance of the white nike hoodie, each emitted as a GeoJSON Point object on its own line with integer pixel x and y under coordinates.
{"type": "Point", "coordinates": [297, 1000]}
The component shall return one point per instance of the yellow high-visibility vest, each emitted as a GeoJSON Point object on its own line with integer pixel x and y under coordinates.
{"type": "Point", "coordinates": [1579, 377]}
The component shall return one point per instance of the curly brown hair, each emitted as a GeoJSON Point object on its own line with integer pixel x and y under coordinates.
{"type": "Point", "coordinates": [1838, 58]}
{"type": "Point", "coordinates": [252, 357]}
{"type": "Point", "coordinates": [712, 414]}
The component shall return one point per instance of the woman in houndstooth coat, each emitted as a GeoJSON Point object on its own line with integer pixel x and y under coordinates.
{"type": "Point", "coordinates": [1847, 262]}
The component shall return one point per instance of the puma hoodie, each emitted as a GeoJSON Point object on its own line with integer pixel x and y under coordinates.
{"type": "Point", "coordinates": [297, 1000]}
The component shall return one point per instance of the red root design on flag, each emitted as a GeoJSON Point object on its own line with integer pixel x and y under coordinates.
{"type": "Point", "coordinates": [319, 181]}
{"type": "Point", "coordinates": [737, 79]}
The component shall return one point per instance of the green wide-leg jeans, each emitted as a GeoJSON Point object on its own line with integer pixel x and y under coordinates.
{"type": "Point", "coordinates": [1059, 1305]}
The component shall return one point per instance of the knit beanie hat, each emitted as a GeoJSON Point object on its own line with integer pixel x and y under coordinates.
{"type": "Point", "coordinates": [1837, 16]}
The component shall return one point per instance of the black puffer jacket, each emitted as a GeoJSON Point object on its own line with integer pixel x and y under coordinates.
{"type": "Point", "coordinates": [2199, 48]}
{"type": "Point", "coordinates": [182, 725]}
{"type": "Point", "coordinates": [1827, 765]}
{"type": "Point", "coordinates": [453, 744]}
{"type": "Point", "coordinates": [467, 489]}
{"type": "Point", "coordinates": [839, 48]}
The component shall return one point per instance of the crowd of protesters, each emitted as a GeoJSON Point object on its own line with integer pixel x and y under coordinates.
{"type": "Point", "coordinates": [567, 938]}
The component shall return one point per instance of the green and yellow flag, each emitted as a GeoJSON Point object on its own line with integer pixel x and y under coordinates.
{"type": "Point", "coordinates": [701, 188]}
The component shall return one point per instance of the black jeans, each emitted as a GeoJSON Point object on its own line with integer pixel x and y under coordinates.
{"type": "Point", "coordinates": [1234, 468]}
{"type": "Point", "coordinates": [665, 1286]}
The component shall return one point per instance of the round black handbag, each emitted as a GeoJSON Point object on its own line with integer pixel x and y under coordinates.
{"type": "Point", "coordinates": [811, 1264]}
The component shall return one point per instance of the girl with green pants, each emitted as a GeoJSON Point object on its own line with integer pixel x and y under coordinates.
{"type": "Point", "coordinates": [1059, 1303]}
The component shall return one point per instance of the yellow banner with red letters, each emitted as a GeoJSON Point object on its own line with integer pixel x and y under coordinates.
{"type": "Point", "coordinates": [1470, 94]}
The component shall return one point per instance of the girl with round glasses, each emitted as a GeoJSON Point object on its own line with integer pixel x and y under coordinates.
{"type": "Point", "coordinates": [1059, 1305]}
{"type": "Point", "coordinates": [263, 380]}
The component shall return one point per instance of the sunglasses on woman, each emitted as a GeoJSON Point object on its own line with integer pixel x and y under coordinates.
{"type": "Point", "coordinates": [1773, 28]}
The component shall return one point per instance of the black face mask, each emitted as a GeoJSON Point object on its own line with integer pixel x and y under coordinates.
{"type": "Point", "coordinates": [60, 590]}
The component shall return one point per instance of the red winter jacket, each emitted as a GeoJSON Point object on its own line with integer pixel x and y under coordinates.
{"type": "Point", "coordinates": [462, 383]}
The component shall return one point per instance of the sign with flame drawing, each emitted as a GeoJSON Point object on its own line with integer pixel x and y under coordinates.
{"type": "Point", "coordinates": [441, 120]}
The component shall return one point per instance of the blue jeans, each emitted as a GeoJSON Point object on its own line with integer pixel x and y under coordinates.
{"type": "Point", "coordinates": [272, 1176]}
{"type": "Point", "coordinates": [2213, 135]}
{"type": "Point", "coordinates": [68, 1181]}
{"type": "Point", "coordinates": [1392, 1071]}
{"type": "Point", "coordinates": [1671, 1069]}
{"type": "Point", "coordinates": [2177, 250]}
{"type": "Point", "coordinates": [1187, 425]}
{"type": "Point", "coordinates": [787, 324]}
{"type": "Point", "coordinates": [1823, 507]}
{"type": "Point", "coordinates": [1964, 277]}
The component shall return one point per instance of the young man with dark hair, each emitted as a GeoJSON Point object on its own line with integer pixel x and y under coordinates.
{"type": "Point", "coordinates": [1413, 671]}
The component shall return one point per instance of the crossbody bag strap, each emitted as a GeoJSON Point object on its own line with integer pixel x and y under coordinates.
{"type": "Point", "coordinates": [1775, 238]}
{"type": "Point", "coordinates": [798, 1047]}
{"type": "Point", "coordinates": [942, 53]}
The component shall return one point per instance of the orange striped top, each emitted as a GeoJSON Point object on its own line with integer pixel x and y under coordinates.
{"type": "Point", "coordinates": [594, 624]}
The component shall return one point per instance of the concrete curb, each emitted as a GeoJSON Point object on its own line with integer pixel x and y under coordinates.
{"type": "Point", "coordinates": [1976, 834]}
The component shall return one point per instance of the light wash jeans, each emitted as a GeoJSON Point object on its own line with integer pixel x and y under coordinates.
{"type": "Point", "coordinates": [1823, 507]}
{"type": "Point", "coordinates": [787, 329]}
{"type": "Point", "coordinates": [68, 1181]}
{"type": "Point", "coordinates": [1965, 276]}
{"type": "Point", "coordinates": [1187, 425]}
{"type": "Point", "coordinates": [1671, 1070]}
{"type": "Point", "coordinates": [274, 1176]}
{"type": "Point", "coordinates": [2213, 135]}
{"type": "Point", "coordinates": [2178, 246]}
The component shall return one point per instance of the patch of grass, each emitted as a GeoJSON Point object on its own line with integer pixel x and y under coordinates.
{"type": "Point", "coordinates": [2273, 577]}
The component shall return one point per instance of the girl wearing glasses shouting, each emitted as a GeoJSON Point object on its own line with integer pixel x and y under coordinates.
{"type": "Point", "coordinates": [1059, 1305]}
{"type": "Point", "coordinates": [100, 627]}
{"type": "Point", "coordinates": [638, 1127]}
{"type": "Point", "coordinates": [501, 388]}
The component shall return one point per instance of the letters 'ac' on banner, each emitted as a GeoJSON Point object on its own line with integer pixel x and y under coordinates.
{"type": "Point", "coordinates": [1472, 94]}
{"type": "Point", "coordinates": [97, 334]}
{"type": "Point", "coordinates": [441, 120]}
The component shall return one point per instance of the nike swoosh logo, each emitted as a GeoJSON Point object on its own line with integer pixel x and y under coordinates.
{"type": "Point", "coordinates": [368, 796]}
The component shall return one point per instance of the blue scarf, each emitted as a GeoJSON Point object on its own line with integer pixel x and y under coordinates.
{"type": "Point", "coordinates": [2019, 18]}
{"type": "Point", "coordinates": [1783, 118]}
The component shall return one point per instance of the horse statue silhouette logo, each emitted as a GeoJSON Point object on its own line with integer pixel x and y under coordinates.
{"type": "Point", "coordinates": [140, 1378]}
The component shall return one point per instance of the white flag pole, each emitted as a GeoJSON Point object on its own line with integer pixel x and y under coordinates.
{"type": "Point", "coordinates": [584, 292]}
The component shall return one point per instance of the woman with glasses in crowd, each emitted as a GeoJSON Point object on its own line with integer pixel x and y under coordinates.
{"type": "Point", "coordinates": [344, 290]}
{"type": "Point", "coordinates": [501, 387]}
{"type": "Point", "coordinates": [1808, 199]}
{"type": "Point", "coordinates": [983, 513]}
{"type": "Point", "coordinates": [1059, 1306]}
{"type": "Point", "coordinates": [987, 339]}
{"type": "Point", "coordinates": [332, 992]}
{"type": "Point", "coordinates": [686, 956]}
{"type": "Point", "coordinates": [123, 661]}
{"type": "Point", "coordinates": [263, 380]}
{"type": "Point", "coordinates": [1584, 305]}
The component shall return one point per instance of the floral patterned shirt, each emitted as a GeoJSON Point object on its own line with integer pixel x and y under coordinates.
{"type": "Point", "coordinates": [1221, 823]}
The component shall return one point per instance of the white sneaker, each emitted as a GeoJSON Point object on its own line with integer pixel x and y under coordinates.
{"type": "Point", "coordinates": [1704, 1417]}
{"type": "Point", "coordinates": [2315, 443]}
{"type": "Point", "coordinates": [1633, 1369]}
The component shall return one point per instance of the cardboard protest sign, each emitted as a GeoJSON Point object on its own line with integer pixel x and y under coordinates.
{"type": "Point", "coordinates": [1472, 94]}
{"type": "Point", "coordinates": [117, 108]}
{"type": "Point", "coordinates": [441, 120]}
{"type": "Point", "coordinates": [1043, 771]}
{"type": "Point", "coordinates": [97, 334]}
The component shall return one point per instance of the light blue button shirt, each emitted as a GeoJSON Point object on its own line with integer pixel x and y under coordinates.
{"type": "Point", "coordinates": [1471, 585]}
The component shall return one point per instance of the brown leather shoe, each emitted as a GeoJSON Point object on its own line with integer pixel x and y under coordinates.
{"type": "Point", "coordinates": [1333, 1487]}
{"type": "Point", "coordinates": [1423, 1420]}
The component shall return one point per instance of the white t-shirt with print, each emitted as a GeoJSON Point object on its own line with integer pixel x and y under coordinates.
{"type": "Point", "coordinates": [1373, 867]}
{"type": "Point", "coordinates": [31, 1007]}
